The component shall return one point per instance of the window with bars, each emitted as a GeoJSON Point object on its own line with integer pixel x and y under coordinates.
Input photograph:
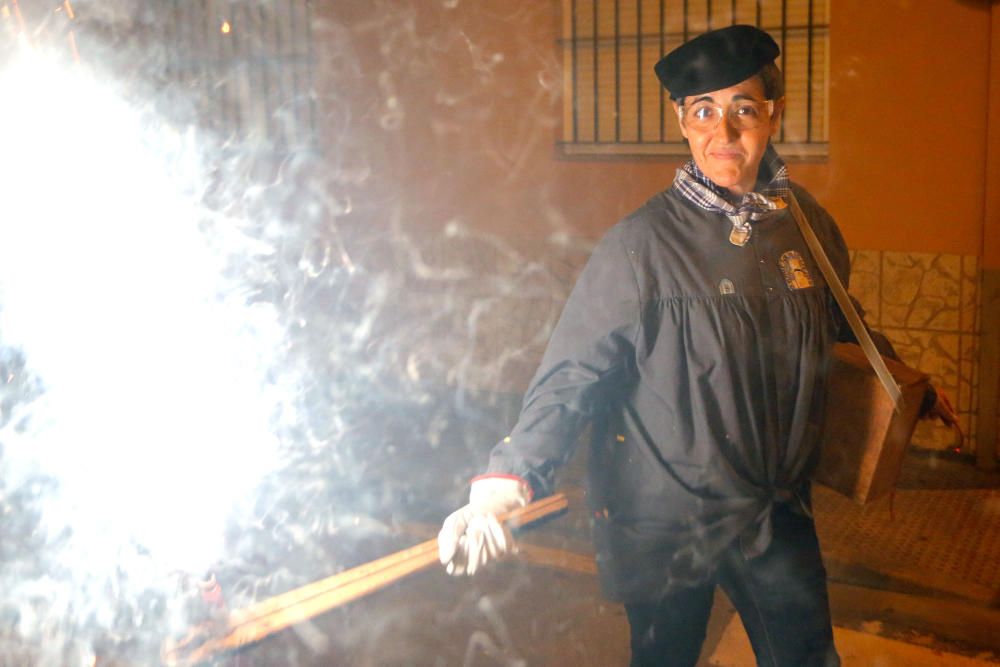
{"type": "Point", "coordinates": [614, 104]}
{"type": "Point", "coordinates": [251, 63]}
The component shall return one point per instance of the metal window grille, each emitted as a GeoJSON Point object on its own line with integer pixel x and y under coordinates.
{"type": "Point", "coordinates": [614, 104]}
{"type": "Point", "coordinates": [250, 62]}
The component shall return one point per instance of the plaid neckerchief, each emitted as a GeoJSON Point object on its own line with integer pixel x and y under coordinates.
{"type": "Point", "coordinates": [697, 188]}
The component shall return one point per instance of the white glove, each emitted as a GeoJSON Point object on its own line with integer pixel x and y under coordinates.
{"type": "Point", "coordinates": [473, 536]}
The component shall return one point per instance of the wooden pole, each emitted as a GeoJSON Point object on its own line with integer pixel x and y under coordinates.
{"type": "Point", "coordinates": [249, 625]}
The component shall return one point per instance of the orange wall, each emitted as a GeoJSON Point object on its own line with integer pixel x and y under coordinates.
{"type": "Point", "coordinates": [991, 229]}
{"type": "Point", "coordinates": [912, 179]}
{"type": "Point", "coordinates": [474, 91]}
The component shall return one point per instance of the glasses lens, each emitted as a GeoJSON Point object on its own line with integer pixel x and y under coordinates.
{"type": "Point", "coordinates": [747, 114]}
{"type": "Point", "coordinates": [743, 115]}
{"type": "Point", "coordinates": [702, 116]}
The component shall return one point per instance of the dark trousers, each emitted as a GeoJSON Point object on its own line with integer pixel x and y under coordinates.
{"type": "Point", "coordinates": [780, 595]}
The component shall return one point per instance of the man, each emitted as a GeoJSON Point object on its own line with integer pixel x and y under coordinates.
{"type": "Point", "coordinates": [697, 341]}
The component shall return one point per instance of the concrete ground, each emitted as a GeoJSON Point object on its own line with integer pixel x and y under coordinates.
{"type": "Point", "coordinates": [919, 585]}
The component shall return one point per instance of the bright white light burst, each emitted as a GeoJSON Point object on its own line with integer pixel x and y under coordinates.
{"type": "Point", "coordinates": [155, 417]}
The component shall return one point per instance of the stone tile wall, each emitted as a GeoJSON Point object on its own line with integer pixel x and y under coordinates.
{"type": "Point", "coordinates": [927, 305]}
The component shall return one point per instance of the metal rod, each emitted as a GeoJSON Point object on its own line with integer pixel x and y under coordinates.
{"type": "Point", "coordinates": [809, 77]}
{"type": "Point", "coordinates": [685, 20]}
{"type": "Point", "coordinates": [573, 59]}
{"type": "Point", "coordinates": [784, 53]}
{"type": "Point", "coordinates": [638, 68]}
{"type": "Point", "coordinates": [597, 127]}
{"type": "Point", "coordinates": [618, 69]}
{"type": "Point", "coordinates": [663, 109]}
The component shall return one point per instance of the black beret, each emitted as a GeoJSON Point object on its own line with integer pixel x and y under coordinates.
{"type": "Point", "coordinates": [716, 59]}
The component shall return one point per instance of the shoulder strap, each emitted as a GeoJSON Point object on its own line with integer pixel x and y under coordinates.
{"type": "Point", "coordinates": [844, 301]}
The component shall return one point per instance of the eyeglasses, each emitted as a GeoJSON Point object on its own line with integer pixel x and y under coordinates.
{"type": "Point", "coordinates": [742, 114]}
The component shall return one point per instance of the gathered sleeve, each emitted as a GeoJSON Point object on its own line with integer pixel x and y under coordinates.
{"type": "Point", "coordinates": [589, 353]}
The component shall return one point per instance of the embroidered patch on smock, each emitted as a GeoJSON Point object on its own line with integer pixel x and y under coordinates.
{"type": "Point", "coordinates": [793, 268]}
{"type": "Point", "coordinates": [726, 286]}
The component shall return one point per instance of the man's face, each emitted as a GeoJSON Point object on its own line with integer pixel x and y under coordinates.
{"type": "Point", "coordinates": [728, 155]}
